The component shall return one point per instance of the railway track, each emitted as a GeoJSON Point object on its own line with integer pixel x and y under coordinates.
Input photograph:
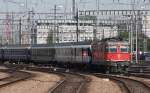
{"type": "Point", "coordinates": [139, 69]}
{"type": "Point", "coordinates": [141, 75]}
{"type": "Point", "coordinates": [72, 83]}
{"type": "Point", "coordinates": [15, 77]}
{"type": "Point", "coordinates": [128, 85]}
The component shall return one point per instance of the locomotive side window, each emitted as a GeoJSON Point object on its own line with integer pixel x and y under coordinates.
{"type": "Point", "coordinates": [106, 49]}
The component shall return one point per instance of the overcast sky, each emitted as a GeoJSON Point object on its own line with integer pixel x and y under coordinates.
{"type": "Point", "coordinates": [48, 5]}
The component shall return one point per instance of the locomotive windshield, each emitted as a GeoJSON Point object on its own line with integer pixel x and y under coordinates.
{"type": "Point", "coordinates": [111, 49]}
{"type": "Point", "coordinates": [124, 49]}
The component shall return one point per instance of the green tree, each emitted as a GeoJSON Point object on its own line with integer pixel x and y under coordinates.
{"type": "Point", "coordinates": [148, 44]}
{"type": "Point", "coordinates": [124, 35]}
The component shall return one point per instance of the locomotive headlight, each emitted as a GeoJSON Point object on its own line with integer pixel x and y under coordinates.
{"type": "Point", "coordinates": [140, 52]}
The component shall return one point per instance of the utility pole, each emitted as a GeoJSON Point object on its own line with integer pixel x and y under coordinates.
{"type": "Point", "coordinates": [8, 29]}
{"type": "Point", "coordinates": [95, 22]}
{"type": "Point", "coordinates": [31, 27]}
{"type": "Point", "coordinates": [144, 34]}
{"type": "Point", "coordinates": [135, 16]}
{"type": "Point", "coordinates": [55, 32]}
{"type": "Point", "coordinates": [136, 33]}
{"type": "Point", "coordinates": [77, 25]}
{"type": "Point", "coordinates": [20, 31]}
{"type": "Point", "coordinates": [26, 4]}
{"type": "Point", "coordinates": [97, 4]}
{"type": "Point", "coordinates": [55, 9]}
{"type": "Point", "coordinates": [132, 29]}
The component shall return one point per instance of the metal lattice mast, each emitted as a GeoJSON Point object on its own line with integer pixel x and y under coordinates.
{"type": "Point", "coordinates": [8, 28]}
{"type": "Point", "coordinates": [74, 7]}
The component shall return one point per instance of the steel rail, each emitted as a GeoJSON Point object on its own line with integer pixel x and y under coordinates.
{"type": "Point", "coordinates": [54, 88]}
{"type": "Point", "coordinates": [125, 81]}
{"type": "Point", "coordinates": [14, 78]}
{"type": "Point", "coordinates": [78, 88]}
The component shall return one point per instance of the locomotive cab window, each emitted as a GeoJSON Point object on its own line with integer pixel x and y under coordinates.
{"type": "Point", "coordinates": [113, 50]}
{"type": "Point", "coordinates": [124, 49]}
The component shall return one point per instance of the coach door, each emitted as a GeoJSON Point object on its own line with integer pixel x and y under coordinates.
{"type": "Point", "coordinates": [86, 55]}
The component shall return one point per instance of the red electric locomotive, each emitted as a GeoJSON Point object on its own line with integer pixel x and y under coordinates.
{"type": "Point", "coordinates": [112, 54]}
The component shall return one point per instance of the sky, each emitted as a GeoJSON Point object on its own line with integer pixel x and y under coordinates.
{"type": "Point", "coordinates": [65, 5]}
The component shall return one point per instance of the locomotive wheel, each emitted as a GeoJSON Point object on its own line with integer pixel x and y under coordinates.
{"type": "Point", "coordinates": [114, 69]}
{"type": "Point", "coordinates": [108, 70]}
{"type": "Point", "coordinates": [125, 69]}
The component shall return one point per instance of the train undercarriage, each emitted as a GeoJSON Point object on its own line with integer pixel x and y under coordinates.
{"type": "Point", "coordinates": [111, 67]}
{"type": "Point", "coordinates": [121, 67]}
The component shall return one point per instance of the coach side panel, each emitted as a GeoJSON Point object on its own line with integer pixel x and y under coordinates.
{"type": "Point", "coordinates": [73, 55]}
{"type": "Point", "coordinates": [1, 55]}
{"type": "Point", "coordinates": [82, 55]}
{"type": "Point", "coordinates": [42, 55]}
{"type": "Point", "coordinates": [63, 54]}
{"type": "Point", "coordinates": [15, 54]}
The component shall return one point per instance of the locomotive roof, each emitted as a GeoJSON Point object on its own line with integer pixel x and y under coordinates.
{"type": "Point", "coordinates": [117, 42]}
{"type": "Point", "coordinates": [112, 39]}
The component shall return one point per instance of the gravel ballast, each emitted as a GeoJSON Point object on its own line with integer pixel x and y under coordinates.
{"type": "Point", "coordinates": [41, 83]}
{"type": "Point", "coordinates": [3, 75]}
{"type": "Point", "coordinates": [102, 85]}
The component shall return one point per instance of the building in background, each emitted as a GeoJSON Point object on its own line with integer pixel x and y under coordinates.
{"type": "Point", "coordinates": [146, 26]}
{"type": "Point", "coordinates": [67, 32]}
{"type": "Point", "coordinates": [25, 37]}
